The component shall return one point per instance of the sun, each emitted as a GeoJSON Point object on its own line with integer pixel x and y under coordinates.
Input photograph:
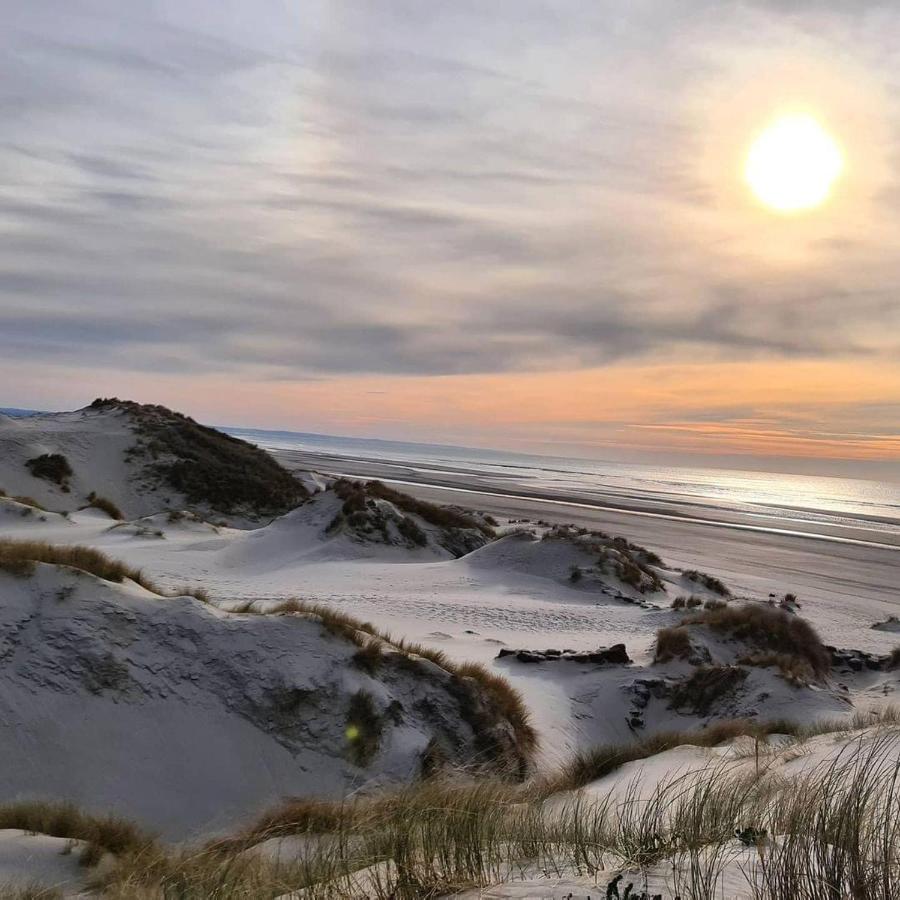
{"type": "Point", "coordinates": [792, 164]}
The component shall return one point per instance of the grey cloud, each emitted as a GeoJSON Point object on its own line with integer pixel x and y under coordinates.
{"type": "Point", "coordinates": [378, 187]}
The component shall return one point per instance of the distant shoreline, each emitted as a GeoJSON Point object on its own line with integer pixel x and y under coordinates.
{"type": "Point", "coordinates": [685, 511]}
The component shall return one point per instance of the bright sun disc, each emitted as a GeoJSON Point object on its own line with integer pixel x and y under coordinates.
{"type": "Point", "coordinates": [792, 165]}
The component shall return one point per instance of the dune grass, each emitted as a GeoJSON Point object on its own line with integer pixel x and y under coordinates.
{"type": "Point", "coordinates": [210, 468]}
{"type": "Point", "coordinates": [356, 493]}
{"type": "Point", "coordinates": [838, 829]}
{"type": "Point", "coordinates": [485, 698]}
{"type": "Point", "coordinates": [773, 638]}
{"type": "Point", "coordinates": [705, 687]}
{"type": "Point", "coordinates": [105, 505]}
{"type": "Point", "coordinates": [19, 558]}
{"type": "Point", "coordinates": [893, 661]}
{"type": "Point", "coordinates": [27, 501]}
{"type": "Point", "coordinates": [33, 891]}
{"type": "Point", "coordinates": [673, 642]}
{"type": "Point", "coordinates": [602, 760]}
{"type": "Point", "coordinates": [768, 629]}
{"type": "Point", "coordinates": [710, 582]}
{"type": "Point", "coordinates": [109, 833]}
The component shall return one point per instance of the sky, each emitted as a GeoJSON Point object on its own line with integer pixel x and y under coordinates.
{"type": "Point", "coordinates": [514, 224]}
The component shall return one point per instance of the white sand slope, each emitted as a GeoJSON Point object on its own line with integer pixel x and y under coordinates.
{"type": "Point", "coordinates": [144, 459]}
{"type": "Point", "coordinates": [513, 593]}
{"type": "Point", "coordinates": [190, 719]}
{"type": "Point", "coordinates": [27, 859]}
{"type": "Point", "coordinates": [304, 535]}
{"type": "Point", "coordinates": [94, 442]}
{"type": "Point", "coordinates": [185, 718]}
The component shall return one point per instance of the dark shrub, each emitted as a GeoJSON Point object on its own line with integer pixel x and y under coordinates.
{"type": "Point", "coordinates": [706, 686]}
{"type": "Point", "coordinates": [51, 467]}
{"type": "Point", "coordinates": [209, 467]}
{"type": "Point", "coordinates": [409, 530]}
{"type": "Point", "coordinates": [710, 582]}
{"type": "Point", "coordinates": [364, 728]}
{"type": "Point", "coordinates": [440, 516]}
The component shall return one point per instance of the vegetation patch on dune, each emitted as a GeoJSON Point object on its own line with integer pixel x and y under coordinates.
{"type": "Point", "coordinates": [487, 701]}
{"type": "Point", "coordinates": [209, 467]}
{"type": "Point", "coordinates": [597, 762]}
{"type": "Point", "coordinates": [710, 582]}
{"type": "Point", "coordinates": [630, 563]}
{"type": "Point", "coordinates": [368, 519]}
{"type": "Point", "coordinates": [772, 637]}
{"type": "Point", "coordinates": [673, 642]}
{"type": "Point", "coordinates": [19, 558]}
{"type": "Point", "coordinates": [707, 686]}
{"type": "Point", "coordinates": [25, 501]}
{"type": "Point", "coordinates": [768, 629]}
{"type": "Point", "coordinates": [440, 516]}
{"type": "Point", "coordinates": [104, 505]}
{"type": "Point", "coordinates": [51, 467]}
{"type": "Point", "coordinates": [437, 837]}
{"type": "Point", "coordinates": [105, 833]}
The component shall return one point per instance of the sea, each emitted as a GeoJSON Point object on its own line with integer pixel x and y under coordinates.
{"type": "Point", "coordinates": [779, 500]}
{"type": "Point", "coordinates": [782, 499]}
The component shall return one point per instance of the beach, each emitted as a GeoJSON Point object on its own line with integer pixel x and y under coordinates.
{"type": "Point", "coordinates": [843, 567]}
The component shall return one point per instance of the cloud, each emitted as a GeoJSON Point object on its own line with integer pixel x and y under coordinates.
{"type": "Point", "coordinates": [385, 188]}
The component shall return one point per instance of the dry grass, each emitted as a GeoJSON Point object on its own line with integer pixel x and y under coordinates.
{"type": "Point", "coordinates": [710, 582]}
{"type": "Point", "coordinates": [438, 837]}
{"type": "Point", "coordinates": [770, 630]}
{"type": "Point", "coordinates": [33, 891]}
{"type": "Point", "coordinates": [589, 765]}
{"type": "Point", "coordinates": [355, 494]}
{"type": "Point", "coordinates": [19, 558]}
{"type": "Point", "coordinates": [370, 655]}
{"type": "Point", "coordinates": [198, 593]}
{"type": "Point", "coordinates": [441, 516]}
{"type": "Point", "coordinates": [105, 505]}
{"type": "Point", "coordinates": [29, 501]}
{"type": "Point", "coordinates": [485, 698]}
{"type": "Point", "coordinates": [838, 825]}
{"type": "Point", "coordinates": [706, 686]}
{"type": "Point", "coordinates": [64, 820]}
{"type": "Point", "coordinates": [794, 669]}
{"type": "Point", "coordinates": [673, 642]}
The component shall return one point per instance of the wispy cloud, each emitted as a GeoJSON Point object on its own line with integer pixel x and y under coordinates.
{"type": "Point", "coordinates": [302, 193]}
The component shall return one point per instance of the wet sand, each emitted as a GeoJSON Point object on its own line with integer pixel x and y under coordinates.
{"type": "Point", "coordinates": [851, 572]}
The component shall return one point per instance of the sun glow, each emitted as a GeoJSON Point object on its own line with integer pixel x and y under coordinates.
{"type": "Point", "coordinates": [792, 165]}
